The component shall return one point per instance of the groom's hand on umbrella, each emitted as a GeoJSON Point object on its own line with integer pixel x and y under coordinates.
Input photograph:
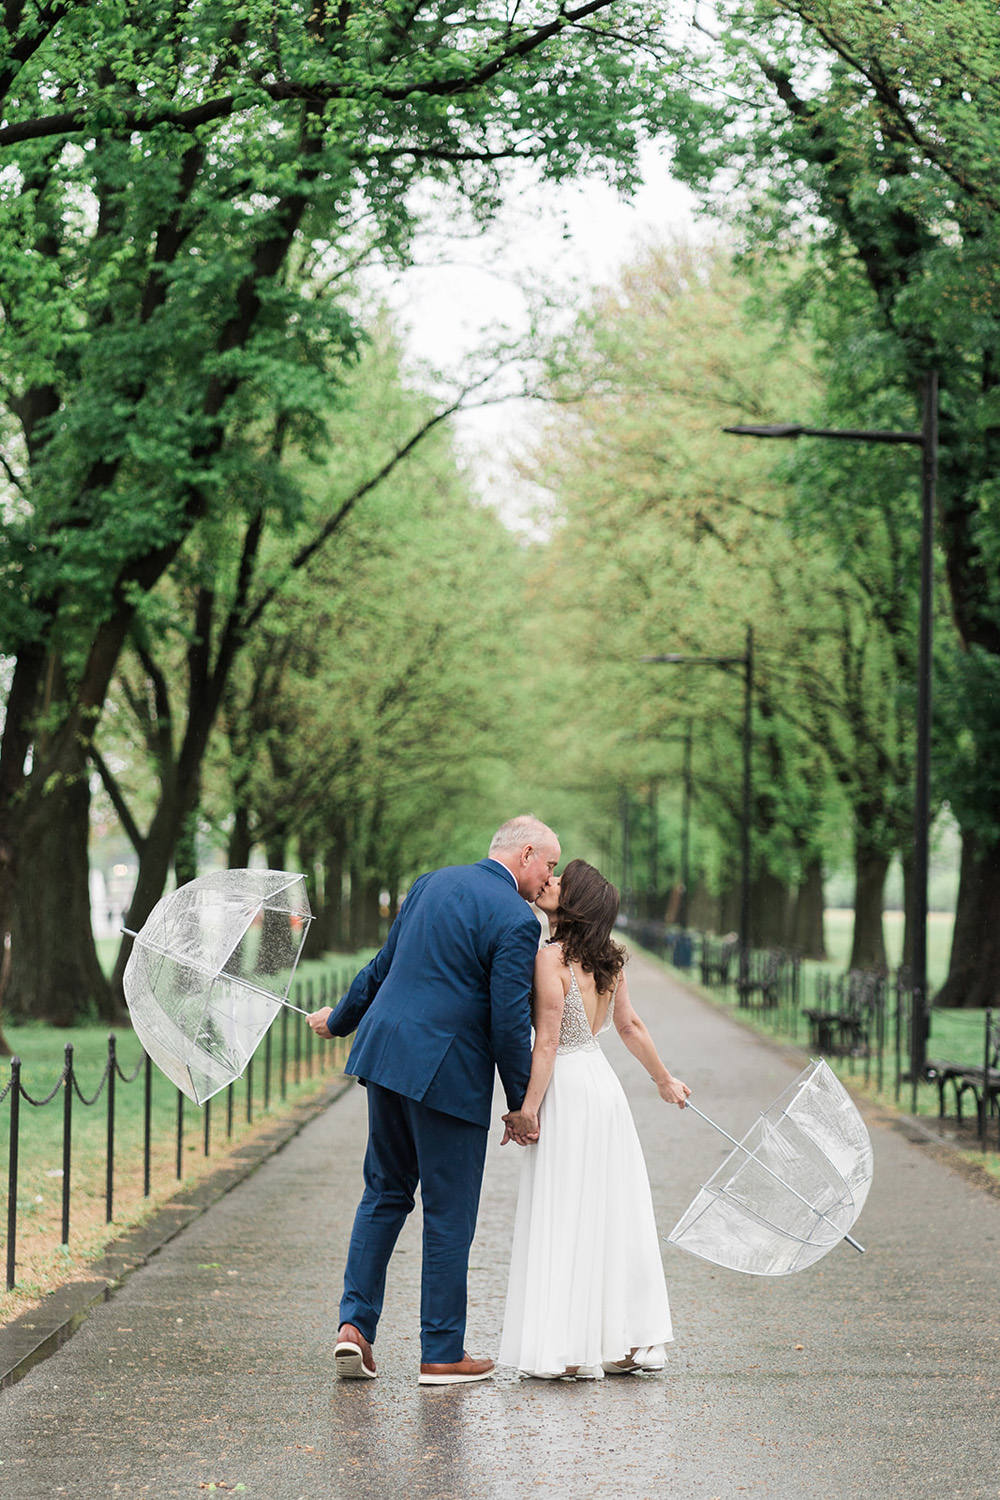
{"type": "Point", "coordinates": [317, 1020]}
{"type": "Point", "coordinates": [521, 1127]}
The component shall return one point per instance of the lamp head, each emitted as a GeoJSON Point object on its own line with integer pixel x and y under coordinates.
{"type": "Point", "coordinates": [778, 430]}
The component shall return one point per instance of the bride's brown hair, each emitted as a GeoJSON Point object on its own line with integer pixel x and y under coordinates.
{"type": "Point", "coordinates": [584, 919]}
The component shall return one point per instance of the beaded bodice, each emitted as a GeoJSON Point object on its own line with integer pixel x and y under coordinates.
{"type": "Point", "coordinates": [575, 1034]}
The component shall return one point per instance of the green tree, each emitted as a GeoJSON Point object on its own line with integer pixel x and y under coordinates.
{"type": "Point", "coordinates": [865, 134]}
{"type": "Point", "coordinates": [675, 538]}
{"type": "Point", "coordinates": [368, 715]}
{"type": "Point", "coordinates": [175, 185]}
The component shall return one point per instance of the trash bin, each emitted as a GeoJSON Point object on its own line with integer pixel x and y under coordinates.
{"type": "Point", "coordinates": [683, 950]}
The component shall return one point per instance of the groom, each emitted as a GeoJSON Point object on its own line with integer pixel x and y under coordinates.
{"type": "Point", "coordinates": [444, 1003]}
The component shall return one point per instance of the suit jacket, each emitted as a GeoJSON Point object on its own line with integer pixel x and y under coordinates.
{"type": "Point", "coordinates": [448, 997]}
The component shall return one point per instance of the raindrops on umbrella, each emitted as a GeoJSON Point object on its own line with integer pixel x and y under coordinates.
{"type": "Point", "coordinates": [792, 1187]}
{"type": "Point", "coordinates": [211, 968]}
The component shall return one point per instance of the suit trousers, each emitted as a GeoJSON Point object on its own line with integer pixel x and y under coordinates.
{"type": "Point", "coordinates": [410, 1143]}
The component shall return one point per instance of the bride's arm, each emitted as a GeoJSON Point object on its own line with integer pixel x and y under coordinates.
{"type": "Point", "coordinates": [548, 999]}
{"type": "Point", "coordinates": [639, 1042]}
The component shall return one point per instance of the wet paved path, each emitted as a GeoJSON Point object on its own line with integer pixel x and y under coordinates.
{"type": "Point", "coordinates": [874, 1375]}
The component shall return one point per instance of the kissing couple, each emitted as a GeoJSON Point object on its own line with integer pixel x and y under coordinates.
{"type": "Point", "coordinates": [450, 998]}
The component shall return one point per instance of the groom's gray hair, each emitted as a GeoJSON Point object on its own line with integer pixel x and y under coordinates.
{"type": "Point", "coordinates": [517, 832]}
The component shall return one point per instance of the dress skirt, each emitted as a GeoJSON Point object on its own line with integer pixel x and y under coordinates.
{"type": "Point", "coordinates": [586, 1278]}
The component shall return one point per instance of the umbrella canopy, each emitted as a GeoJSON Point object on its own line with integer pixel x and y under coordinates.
{"type": "Point", "coordinates": [791, 1189]}
{"type": "Point", "coordinates": [211, 968]}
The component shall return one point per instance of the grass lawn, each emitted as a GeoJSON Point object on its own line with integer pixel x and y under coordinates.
{"type": "Point", "coordinates": [956, 1035]}
{"type": "Point", "coordinates": [42, 1263]}
{"type": "Point", "coordinates": [838, 927]}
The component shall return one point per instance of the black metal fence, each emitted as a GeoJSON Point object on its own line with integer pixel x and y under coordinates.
{"type": "Point", "coordinates": [862, 1017]}
{"type": "Point", "coordinates": [291, 1053]}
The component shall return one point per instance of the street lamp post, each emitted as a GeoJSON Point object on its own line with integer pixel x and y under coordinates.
{"type": "Point", "coordinates": [746, 662]}
{"type": "Point", "coordinates": [687, 781]}
{"type": "Point", "coordinates": [686, 832]}
{"type": "Point", "coordinates": [927, 441]}
{"type": "Point", "coordinates": [624, 813]}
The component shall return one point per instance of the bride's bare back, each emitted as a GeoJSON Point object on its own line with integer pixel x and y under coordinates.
{"type": "Point", "coordinates": [596, 1003]}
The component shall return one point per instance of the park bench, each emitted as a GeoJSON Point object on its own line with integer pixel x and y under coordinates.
{"type": "Point", "coordinates": [763, 982]}
{"type": "Point", "coordinates": [982, 1082]}
{"type": "Point", "coordinates": [717, 959]}
{"type": "Point", "coordinates": [841, 1021]}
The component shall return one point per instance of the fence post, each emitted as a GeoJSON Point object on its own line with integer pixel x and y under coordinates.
{"type": "Point", "coordinates": [67, 1137]}
{"type": "Point", "coordinates": [180, 1133]}
{"type": "Point", "coordinates": [109, 1185]}
{"type": "Point", "coordinates": [984, 1108]}
{"type": "Point", "coordinates": [208, 1124]}
{"type": "Point", "coordinates": [899, 1036]}
{"type": "Point", "coordinates": [147, 1128]}
{"type": "Point", "coordinates": [284, 1051]}
{"type": "Point", "coordinates": [15, 1124]}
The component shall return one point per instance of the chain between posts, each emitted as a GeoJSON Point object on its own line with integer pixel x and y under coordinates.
{"type": "Point", "coordinates": [290, 1058]}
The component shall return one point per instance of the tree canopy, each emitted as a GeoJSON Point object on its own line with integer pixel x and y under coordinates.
{"type": "Point", "coordinates": [860, 138]}
{"type": "Point", "coordinates": [185, 195]}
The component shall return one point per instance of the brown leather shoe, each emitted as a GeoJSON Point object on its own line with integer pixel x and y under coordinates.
{"type": "Point", "coordinates": [353, 1358]}
{"type": "Point", "coordinates": [461, 1373]}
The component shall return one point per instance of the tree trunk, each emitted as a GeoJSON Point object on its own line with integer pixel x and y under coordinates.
{"type": "Point", "coordinates": [807, 934]}
{"type": "Point", "coordinates": [729, 909]}
{"type": "Point", "coordinates": [55, 974]}
{"type": "Point", "coordinates": [6, 1050]}
{"type": "Point", "coordinates": [372, 913]}
{"type": "Point", "coordinates": [154, 867]}
{"type": "Point", "coordinates": [974, 971]}
{"type": "Point", "coordinates": [906, 861]}
{"type": "Point", "coordinates": [356, 906]}
{"type": "Point", "coordinates": [333, 892]}
{"type": "Point", "coordinates": [703, 909]}
{"type": "Point", "coordinates": [868, 947]}
{"type": "Point", "coordinates": [314, 946]}
{"type": "Point", "coordinates": [769, 911]}
{"type": "Point", "coordinates": [186, 850]}
{"type": "Point", "coordinates": [240, 840]}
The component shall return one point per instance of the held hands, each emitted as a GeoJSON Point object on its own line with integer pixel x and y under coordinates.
{"type": "Point", "coordinates": [317, 1020]}
{"type": "Point", "coordinates": [521, 1127]}
{"type": "Point", "coordinates": [672, 1091]}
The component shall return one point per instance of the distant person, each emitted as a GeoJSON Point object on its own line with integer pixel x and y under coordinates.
{"type": "Point", "coordinates": [444, 1004]}
{"type": "Point", "coordinates": [586, 1295]}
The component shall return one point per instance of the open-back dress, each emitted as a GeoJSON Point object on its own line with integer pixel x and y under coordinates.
{"type": "Point", "coordinates": [586, 1278]}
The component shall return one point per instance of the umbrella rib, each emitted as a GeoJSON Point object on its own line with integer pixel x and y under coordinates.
{"type": "Point", "coordinates": [759, 1218]}
{"type": "Point", "coordinates": [740, 1147]}
{"type": "Point", "coordinates": [192, 963]}
{"type": "Point", "coordinates": [261, 907]}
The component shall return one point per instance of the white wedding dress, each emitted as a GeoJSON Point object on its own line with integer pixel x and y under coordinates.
{"type": "Point", "coordinates": [586, 1279]}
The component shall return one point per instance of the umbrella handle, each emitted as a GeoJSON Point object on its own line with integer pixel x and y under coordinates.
{"type": "Point", "coordinates": [286, 1003]}
{"type": "Point", "coordinates": [740, 1147]}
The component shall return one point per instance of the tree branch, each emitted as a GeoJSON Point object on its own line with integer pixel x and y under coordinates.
{"type": "Point", "coordinates": [114, 791]}
{"type": "Point", "coordinates": [317, 94]}
{"type": "Point", "coordinates": [304, 555]}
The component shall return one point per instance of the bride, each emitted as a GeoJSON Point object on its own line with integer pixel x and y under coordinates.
{"type": "Point", "coordinates": [586, 1294]}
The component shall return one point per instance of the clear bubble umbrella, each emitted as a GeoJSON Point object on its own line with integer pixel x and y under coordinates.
{"type": "Point", "coordinates": [791, 1189]}
{"type": "Point", "coordinates": [211, 968]}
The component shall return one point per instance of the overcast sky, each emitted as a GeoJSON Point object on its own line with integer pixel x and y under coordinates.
{"type": "Point", "coordinates": [463, 292]}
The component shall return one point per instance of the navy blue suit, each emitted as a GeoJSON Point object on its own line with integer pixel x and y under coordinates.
{"type": "Point", "coordinates": [444, 1004]}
